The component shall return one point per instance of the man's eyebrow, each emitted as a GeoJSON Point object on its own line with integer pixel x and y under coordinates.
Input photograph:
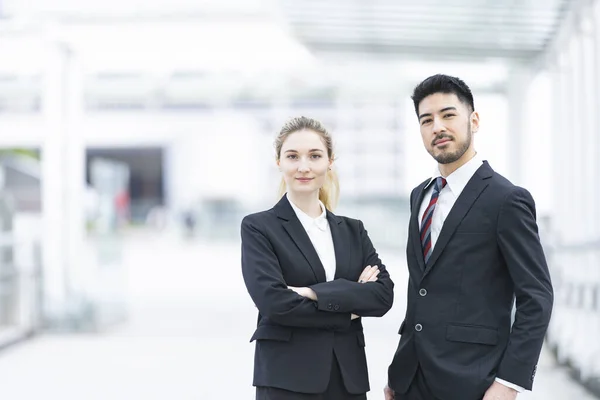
{"type": "Point", "coordinates": [442, 110]}
{"type": "Point", "coordinates": [448, 109]}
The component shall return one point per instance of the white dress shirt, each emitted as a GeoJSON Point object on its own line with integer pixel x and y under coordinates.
{"type": "Point", "coordinates": [320, 235]}
{"type": "Point", "coordinates": [455, 183]}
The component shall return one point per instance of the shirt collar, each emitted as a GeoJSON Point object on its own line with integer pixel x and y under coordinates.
{"type": "Point", "coordinates": [307, 221]}
{"type": "Point", "coordinates": [457, 180]}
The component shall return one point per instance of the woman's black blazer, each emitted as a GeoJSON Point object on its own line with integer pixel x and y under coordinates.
{"type": "Point", "coordinates": [296, 337]}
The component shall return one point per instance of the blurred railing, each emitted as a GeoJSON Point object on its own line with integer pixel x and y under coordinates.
{"type": "Point", "coordinates": [574, 332]}
{"type": "Point", "coordinates": [385, 220]}
{"type": "Point", "coordinates": [20, 288]}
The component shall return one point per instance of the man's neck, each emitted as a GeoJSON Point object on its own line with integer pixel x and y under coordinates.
{"type": "Point", "coordinates": [447, 169]}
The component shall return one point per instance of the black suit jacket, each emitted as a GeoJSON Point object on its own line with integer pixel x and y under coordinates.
{"type": "Point", "coordinates": [458, 318]}
{"type": "Point", "coordinates": [297, 337]}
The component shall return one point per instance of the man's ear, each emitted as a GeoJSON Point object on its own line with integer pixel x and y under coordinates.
{"type": "Point", "coordinates": [474, 121]}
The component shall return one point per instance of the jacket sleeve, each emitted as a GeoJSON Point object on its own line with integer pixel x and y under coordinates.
{"type": "Point", "coordinates": [520, 246]}
{"type": "Point", "coordinates": [371, 299]}
{"type": "Point", "coordinates": [265, 284]}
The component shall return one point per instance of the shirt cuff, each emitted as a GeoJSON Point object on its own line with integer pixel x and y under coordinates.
{"type": "Point", "coordinates": [510, 385]}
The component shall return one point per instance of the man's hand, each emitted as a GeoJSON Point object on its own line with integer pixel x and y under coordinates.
{"type": "Point", "coordinates": [500, 392]}
{"type": "Point", "coordinates": [369, 274]}
{"type": "Point", "coordinates": [304, 292]}
{"type": "Point", "coordinates": [388, 393]}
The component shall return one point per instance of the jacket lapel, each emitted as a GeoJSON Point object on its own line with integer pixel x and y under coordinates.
{"type": "Point", "coordinates": [415, 230]}
{"type": "Point", "coordinates": [341, 253]}
{"type": "Point", "coordinates": [470, 193]}
{"type": "Point", "coordinates": [294, 228]}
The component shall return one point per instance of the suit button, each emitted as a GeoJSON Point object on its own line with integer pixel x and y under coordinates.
{"type": "Point", "coordinates": [418, 327]}
{"type": "Point", "coordinates": [329, 306]}
{"type": "Point", "coordinates": [336, 307]}
{"type": "Point", "coordinates": [423, 292]}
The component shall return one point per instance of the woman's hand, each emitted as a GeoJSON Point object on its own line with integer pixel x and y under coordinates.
{"type": "Point", "coordinates": [310, 294]}
{"type": "Point", "coordinates": [369, 274]}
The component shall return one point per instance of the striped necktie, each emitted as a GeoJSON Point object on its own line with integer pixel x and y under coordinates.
{"type": "Point", "coordinates": [428, 217]}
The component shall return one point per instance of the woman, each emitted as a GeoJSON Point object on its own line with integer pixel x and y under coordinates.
{"type": "Point", "coordinates": [312, 275]}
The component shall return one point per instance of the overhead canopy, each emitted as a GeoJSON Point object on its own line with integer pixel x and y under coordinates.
{"type": "Point", "coordinates": [437, 29]}
{"type": "Point", "coordinates": [514, 29]}
{"type": "Point", "coordinates": [191, 50]}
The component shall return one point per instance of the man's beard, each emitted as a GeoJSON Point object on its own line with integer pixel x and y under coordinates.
{"type": "Point", "coordinates": [447, 157]}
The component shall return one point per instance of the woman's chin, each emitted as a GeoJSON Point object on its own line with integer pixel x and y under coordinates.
{"type": "Point", "coordinates": [304, 189]}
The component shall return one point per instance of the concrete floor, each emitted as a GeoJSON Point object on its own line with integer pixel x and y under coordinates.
{"type": "Point", "coordinates": [188, 337]}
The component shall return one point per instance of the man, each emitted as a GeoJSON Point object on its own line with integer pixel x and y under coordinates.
{"type": "Point", "coordinates": [473, 249]}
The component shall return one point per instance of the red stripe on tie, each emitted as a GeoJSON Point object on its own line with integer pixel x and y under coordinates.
{"type": "Point", "coordinates": [424, 230]}
{"type": "Point", "coordinates": [427, 247]}
{"type": "Point", "coordinates": [432, 202]}
{"type": "Point", "coordinates": [426, 223]}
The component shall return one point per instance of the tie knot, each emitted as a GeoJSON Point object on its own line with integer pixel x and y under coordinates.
{"type": "Point", "coordinates": [440, 183]}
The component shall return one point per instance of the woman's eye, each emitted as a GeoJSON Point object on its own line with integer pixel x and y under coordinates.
{"type": "Point", "coordinates": [316, 156]}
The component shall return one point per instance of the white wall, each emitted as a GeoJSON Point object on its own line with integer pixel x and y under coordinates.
{"type": "Point", "coordinates": [221, 156]}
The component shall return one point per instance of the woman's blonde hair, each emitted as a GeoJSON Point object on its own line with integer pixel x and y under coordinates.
{"type": "Point", "coordinates": [329, 192]}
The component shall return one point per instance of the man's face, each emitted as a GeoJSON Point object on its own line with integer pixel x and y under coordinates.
{"type": "Point", "coordinates": [447, 126]}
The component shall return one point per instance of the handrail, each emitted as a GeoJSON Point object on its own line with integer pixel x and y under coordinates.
{"type": "Point", "coordinates": [21, 282]}
{"type": "Point", "coordinates": [593, 244]}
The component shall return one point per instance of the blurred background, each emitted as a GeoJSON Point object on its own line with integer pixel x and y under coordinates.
{"type": "Point", "coordinates": [135, 135]}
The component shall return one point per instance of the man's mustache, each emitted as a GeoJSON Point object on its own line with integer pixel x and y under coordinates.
{"type": "Point", "coordinates": [440, 137]}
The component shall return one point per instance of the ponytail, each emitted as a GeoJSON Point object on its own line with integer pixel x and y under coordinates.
{"type": "Point", "coordinates": [330, 191]}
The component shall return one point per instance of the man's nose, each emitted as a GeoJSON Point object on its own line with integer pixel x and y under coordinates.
{"type": "Point", "coordinates": [438, 126]}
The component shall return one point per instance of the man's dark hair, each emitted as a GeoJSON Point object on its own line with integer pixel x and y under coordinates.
{"type": "Point", "coordinates": [443, 84]}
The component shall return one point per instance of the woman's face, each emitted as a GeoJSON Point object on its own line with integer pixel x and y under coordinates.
{"type": "Point", "coordinates": [304, 162]}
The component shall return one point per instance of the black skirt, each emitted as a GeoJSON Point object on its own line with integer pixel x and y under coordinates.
{"type": "Point", "coordinates": [335, 390]}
